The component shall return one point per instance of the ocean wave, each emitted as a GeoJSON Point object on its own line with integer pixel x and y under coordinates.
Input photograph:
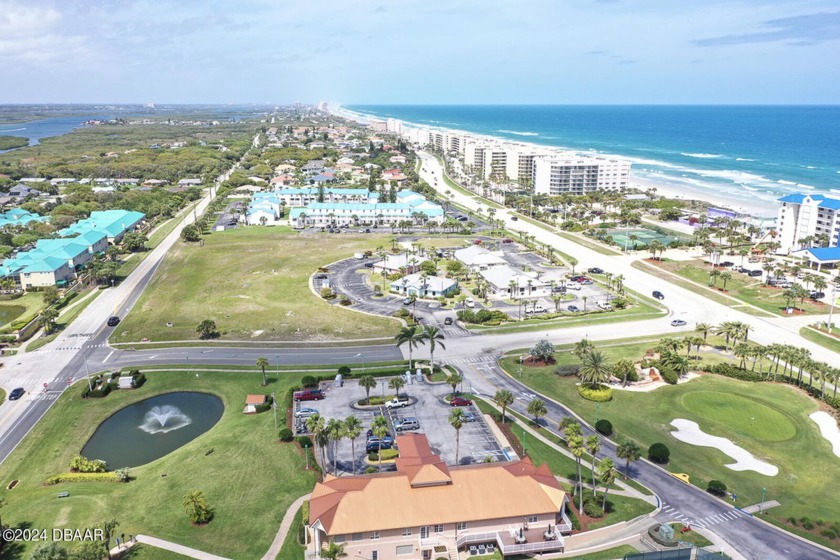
{"type": "Point", "coordinates": [701, 155]}
{"type": "Point", "coordinates": [19, 129]}
{"type": "Point", "coordinates": [519, 133]}
{"type": "Point", "coordinates": [743, 159]}
{"type": "Point", "coordinates": [804, 186]}
{"type": "Point", "coordinates": [783, 182]}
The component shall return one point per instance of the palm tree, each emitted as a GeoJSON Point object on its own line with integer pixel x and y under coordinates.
{"type": "Point", "coordinates": [411, 336]}
{"type": "Point", "coordinates": [352, 429]}
{"type": "Point", "coordinates": [397, 383]}
{"type": "Point", "coordinates": [333, 551]}
{"type": "Point", "coordinates": [576, 446]}
{"type": "Point", "coordinates": [594, 369]}
{"type": "Point", "coordinates": [503, 399]}
{"type": "Point", "coordinates": [679, 363]}
{"type": "Point", "coordinates": [380, 430]}
{"type": "Point", "coordinates": [315, 425]}
{"type": "Point", "coordinates": [335, 432]}
{"type": "Point", "coordinates": [704, 328]}
{"type": "Point", "coordinates": [196, 506]}
{"type": "Point", "coordinates": [536, 408]}
{"type": "Point", "coordinates": [456, 420]}
{"type": "Point", "coordinates": [606, 473]}
{"type": "Point", "coordinates": [629, 450]}
{"type": "Point", "coordinates": [262, 363]}
{"type": "Point", "coordinates": [742, 351]}
{"type": "Point", "coordinates": [453, 379]}
{"type": "Point", "coordinates": [593, 446]}
{"type": "Point", "coordinates": [433, 335]}
{"type": "Point", "coordinates": [47, 319]}
{"type": "Point", "coordinates": [582, 347]}
{"type": "Point", "coordinates": [726, 277]}
{"type": "Point", "coordinates": [367, 382]}
{"type": "Point", "coordinates": [713, 274]}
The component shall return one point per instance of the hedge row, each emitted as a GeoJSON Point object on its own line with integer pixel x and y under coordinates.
{"type": "Point", "coordinates": [83, 477]}
{"type": "Point", "coordinates": [601, 394]}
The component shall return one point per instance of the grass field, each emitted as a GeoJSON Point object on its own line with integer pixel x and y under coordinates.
{"type": "Point", "coordinates": [24, 308]}
{"type": "Point", "coordinates": [589, 244]}
{"type": "Point", "coordinates": [771, 421]}
{"type": "Point", "coordinates": [819, 335]}
{"type": "Point", "coordinates": [254, 283]}
{"type": "Point", "coordinates": [745, 288]}
{"type": "Point", "coordinates": [249, 479]}
{"type": "Point", "coordinates": [291, 550]}
{"type": "Point", "coordinates": [64, 320]}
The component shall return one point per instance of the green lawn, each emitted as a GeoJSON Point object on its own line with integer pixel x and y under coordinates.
{"type": "Point", "coordinates": [254, 283]}
{"type": "Point", "coordinates": [745, 288]}
{"type": "Point", "coordinates": [771, 421]}
{"type": "Point", "coordinates": [291, 550]}
{"type": "Point", "coordinates": [250, 479]}
{"type": "Point", "coordinates": [146, 552]}
{"type": "Point", "coordinates": [819, 335]}
{"type": "Point", "coordinates": [692, 537]}
{"type": "Point", "coordinates": [616, 553]}
{"type": "Point", "coordinates": [21, 310]}
{"type": "Point", "coordinates": [589, 244]}
{"type": "Point", "coordinates": [64, 320]}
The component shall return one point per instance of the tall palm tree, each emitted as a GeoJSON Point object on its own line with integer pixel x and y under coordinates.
{"type": "Point", "coordinates": [503, 399]}
{"type": "Point", "coordinates": [262, 363]}
{"type": "Point", "coordinates": [594, 369]}
{"type": "Point", "coordinates": [435, 338]}
{"type": "Point", "coordinates": [380, 430]}
{"type": "Point", "coordinates": [456, 420]}
{"type": "Point", "coordinates": [367, 382]}
{"type": "Point", "coordinates": [315, 425]}
{"type": "Point", "coordinates": [606, 474]}
{"type": "Point", "coordinates": [593, 446]}
{"type": "Point", "coordinates": [352, 429]}
{"type": "Point", "coordinates": [335, 432]}
{"type": "Point", "coordinates": [536, 408]}
{"type": "Point", "coordinates": [582, 347]}
{"type": "Point", "coordinates": [411, 336]}
{"type": "Point", "coordinates": [576, 446]}
{"type": "Point", "coordinates": [396, 383]}
{"type": "Point", "coordinates": [454, 379]}
{"type": "Point", "coordinates": [629, 450]}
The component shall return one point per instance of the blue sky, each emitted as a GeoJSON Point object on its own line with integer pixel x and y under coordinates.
{"type": "Point", "coordinates": [429, 51]}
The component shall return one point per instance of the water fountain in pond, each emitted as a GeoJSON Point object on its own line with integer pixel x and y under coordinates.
{"type": "Point", "coordinates": [164, 419]}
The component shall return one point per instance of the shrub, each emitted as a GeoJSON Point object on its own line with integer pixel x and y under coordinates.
{"type": "Point", "coordinates": [344, 371]}
{"type": "Point", "coordinates": [668, 375]}
{"type": "Point", "coordinates": [84, 465]}
{"type": "Point", "coordinates": [327, 293]}
{"type": "Point", "coordinates": [808, 525]}
{"type": "Point", "coordinates": [829, 534]}
{"type": "Point", "coordinates": [659, 453]}
{"type": "Point", "coordinates": [567, 370]}
{"type": "Point", "coordinates": [387, 454]}
{"type": "Point", "coordinates": [308, 381]}
{"type": "Point", "coordinates": [792, 521]}
{"type": "Point", "coordinates": [570, 513]}
{"type": "Point", "coordinates": [604, 427]}
{"type": "Point", "coordinates": [716, 487]}
{"type": "Point", "coordinates": [84, 477]}
{"type": "Point", "coordinates": [372, 456]}
{"type": "Point", "coordinates": [286, 435]}
{"type": "Point", "coordinates": [139, 379]}
{"type": "Point", "coordinates": [123, 474]}
{"type": "Point", "coordinates": [304, 441]}
{"type": "Point", "coordinates": [371, 470]}
{"type": "Point", "coordinates": [544, 350]}
{"type": "Point", "coordinates": [592, 508]}
{"type": "Point", "coordinates": [601, 394]}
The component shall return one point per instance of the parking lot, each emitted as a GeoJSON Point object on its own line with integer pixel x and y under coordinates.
{"type": "Point", "coordinates": [426, 404]}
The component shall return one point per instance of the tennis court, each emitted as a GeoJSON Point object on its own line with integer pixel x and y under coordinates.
{"type": "Point", "coordinates": [638, 238]}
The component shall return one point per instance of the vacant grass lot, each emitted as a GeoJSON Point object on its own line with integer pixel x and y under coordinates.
{"type": "Point", "coordinates": [23, 309]}
{"type": "Point", "coordinates": [254, 283]}
{"type": "Point", "coordinates": [771, 421]}
{"type": "Point", "coordinates": [748, 289]}
{"type": "Point", "coordinates": [250, 479]}
{"type": "Point", "coordinates": [819, 335]}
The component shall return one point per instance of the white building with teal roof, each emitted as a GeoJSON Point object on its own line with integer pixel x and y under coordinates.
{"type": "Point", "coordinates": [409, 206]}
{"type": "Point", "coordinates": [114, 223]}
{"type": "Point", "coordinates": [20, 217]}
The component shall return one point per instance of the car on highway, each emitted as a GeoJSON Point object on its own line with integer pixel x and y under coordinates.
{"type": "Point", "coordinates": [460, 401]}
{"type": "Point", "coordinates": [595, 270]}
{"type": "Point", "coordinates": [448, 321]}
{"type": "Point", "coordinates": [113, 321]}
{"type": "Point", "coordinates": [573, 308]}
{"type": "Point", "coordinates": [678, 323]}
{"type": "Point", "coordinates": [305, 412]}
{"type": "Point", "coordinates": [16, 394]}
{"type": "Point", "coordinates": [658, 295]}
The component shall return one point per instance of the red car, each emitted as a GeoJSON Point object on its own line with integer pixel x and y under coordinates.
{"type": "Point", "coordinates": [460, 401]}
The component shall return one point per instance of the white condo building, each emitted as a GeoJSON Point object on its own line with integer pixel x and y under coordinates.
{"type": "Point", "coordinates": [807, 215]}
{"type": "Point", "coordinates": [556, 175]}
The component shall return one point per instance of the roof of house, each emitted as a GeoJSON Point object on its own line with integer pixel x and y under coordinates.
{"type": "Point", "coordinates": [822, 200]}
{"type": "Point", "coordinates": [255, 399]}
{"type": "Point", "coordinates": [425, 491]}
{"type": "Point", "coordinates": [395, 262]}
{"type": "Point", "coordinates": [113, 222]}
{"type": "Point", "coordinates": [824, 254]}
{"type": "Point", "coordinates": [432, 283]}
{"type": "Point", "coordinates": [501, 277]}
{"type": "Point", "coordinates": [475, 255]}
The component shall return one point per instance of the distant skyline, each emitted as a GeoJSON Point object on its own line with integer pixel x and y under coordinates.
{"type": "Point", "coordinates": [421, 52]}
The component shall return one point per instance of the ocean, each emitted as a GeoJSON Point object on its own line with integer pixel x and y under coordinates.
{"type": "Point", "coordinates": [741, 153]}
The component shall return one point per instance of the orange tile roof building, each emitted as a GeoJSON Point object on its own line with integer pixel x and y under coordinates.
{"type": "Point", "coordinates": [404, 515]}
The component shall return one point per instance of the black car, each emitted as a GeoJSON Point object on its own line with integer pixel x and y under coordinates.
{"type": "Point", "coordinates": [514, 218]}
{"type": "Point", "coordinates": [368, 265]}
{"type": "Point", "coordinates": [16, 394]}
{"type": "Point", "coordinates": [755, 273]}
{"type": "Point", "coordinates": [816, 295]}
{"type": "Point", "coordinates": [113, 321]}
{"type": "Point", "coordinates": [595, 271]}
{"type": "Point", "coordinates": [726, 264]}
{"type": "Point", "coordinates": [658, 295]}
{"type": "Point", "coordinates": [447, 321]}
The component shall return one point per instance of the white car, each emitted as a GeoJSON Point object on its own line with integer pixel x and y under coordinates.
{"type": "Point", "coordinates": [605, 305]}
{"type": "Point", "coordinates": [469, 302]}
{"type": "Point", "coordinates": [305, 412]}
{"type": "Point", "coordinates": [573, 286]}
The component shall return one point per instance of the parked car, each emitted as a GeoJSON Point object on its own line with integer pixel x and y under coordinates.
{"type": "Point", "coordinates": [514, 219]}
{"type": "Point", "coordinates": [309, 395]}
{"type": "Point", "coordinates": [595, 270]}
{"type": "Point", "coordinates": [816, 295]}
{"type": "Point", "coordinates": [726, 264]}
{"type": "Point", "coordinates": [113, 321]}
{"type": "Point", "coordinates": [755, 272]}
{"type": "Point", "coordinates": [678, 323]}
{"type": "Point", "coordinates": [470, 417]}
{"type": "Point", "coordinates": [368, 265]}
{"type": "Point", "coordinates": [585, 282]}
{"type": "Point", "coordinates": [16, 394]}
{"type": "Point", "coordinates": [398, 402]}
{"type": "Point", "coordinates": [406, 424]}
{"type": "Point", "coordinates": [448, 321]}
{"type": "Point", "coordinates": [460, 401]}
{"type": "Point", "coordinates": [658, 295]}
{"type": "Point", "coordinates": [573, 308]}
{"type": "Point", "coordinates": [605, 305]}
{"type": "Point", "coordinates": [374, 446]}
{"type": "Point", "coordinates": [539, 308]}
{"type": "Point", "coordinates": [573, 286]}
{"type": "Point", "coordinates": [469, 302]}
{"type": "Point", "coordinates": [370, 436]}
{"type": "Point", "coordinates": [305, 412]}
{"type": "Point", "coordinates": [576, 277]}
{"type": "Point", "coordinates": [507, 240]}
{"type": "Point", "coordinates": [408, 301]}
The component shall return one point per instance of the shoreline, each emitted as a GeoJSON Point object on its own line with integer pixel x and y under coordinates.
{"type": "Point", "coordinates": [751, 205]}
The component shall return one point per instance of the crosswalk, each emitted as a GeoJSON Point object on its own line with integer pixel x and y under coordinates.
{"type": "Point", "coordinates": [702, 522]}
{"type": "Point", "coordinates": [82, 347]}
{"type": "Point", "coordinates": [484, 359]}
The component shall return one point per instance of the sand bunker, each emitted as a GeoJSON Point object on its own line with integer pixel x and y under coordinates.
{"type": "Point", "coordinates": [690, 433]}
{"type": "Point", "coordinates": [828, 429]}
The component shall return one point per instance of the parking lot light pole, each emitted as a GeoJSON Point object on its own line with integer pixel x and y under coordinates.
{"type": "Point", "coordinates": [831, 308]}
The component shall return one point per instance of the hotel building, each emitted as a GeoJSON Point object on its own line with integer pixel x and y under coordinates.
{"type": "Point", "coordinates": [558, 175]}
{"type": "Point", "coordinates": [807, 215]}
